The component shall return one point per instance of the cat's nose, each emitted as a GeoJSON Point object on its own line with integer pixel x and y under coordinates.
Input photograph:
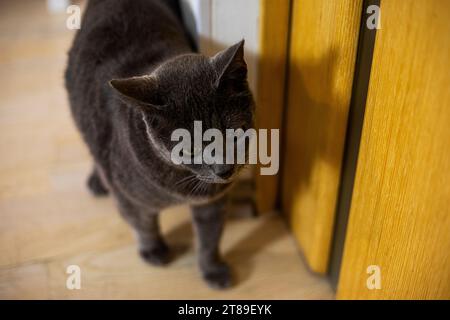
{"type": "Point", "coordinates": [224, 171]}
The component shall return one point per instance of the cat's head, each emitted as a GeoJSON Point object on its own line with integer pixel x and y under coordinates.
{"type": "Point", "coordinates": [191, 88]}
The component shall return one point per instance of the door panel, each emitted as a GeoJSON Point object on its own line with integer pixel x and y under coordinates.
{"type": "Point", "coordinates": [400, 213]}
{"type": "Point", "coordinates": [324, 38]}
{"type": "Point", "coordinates": [274, 31]}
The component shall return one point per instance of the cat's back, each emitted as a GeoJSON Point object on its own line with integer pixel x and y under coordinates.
{"type": "Point", "coordinates": [117, 39]}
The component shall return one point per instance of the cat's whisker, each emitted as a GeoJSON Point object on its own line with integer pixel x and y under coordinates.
{"type": "Point", "coordinates": [191, 185]}
{"type": "Point", "coordinates": [197, 187]}
{"type": "Point", "coordinates": [204, 188]}
{"type": "Point", "coordinates": [185, 179]}
{"type": "Point", "coordinates": [186, 182]}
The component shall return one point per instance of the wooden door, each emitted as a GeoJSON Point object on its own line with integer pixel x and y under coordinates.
{"type": "Point", "coordinates": [400, 213]}
{"type": "Point", "coordinates": [324, 39]}
{"type": "Point", "coordinates": [273, 45]}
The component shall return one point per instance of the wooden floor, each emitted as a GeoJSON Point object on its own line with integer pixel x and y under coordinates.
{"type": "Point", "coordinates": [48, 220]}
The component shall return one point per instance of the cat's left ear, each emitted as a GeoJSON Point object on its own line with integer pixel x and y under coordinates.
{"type": "Point", "coordinates": [230, 63]}
{"type": "Point", "coordinates": [141, 91]}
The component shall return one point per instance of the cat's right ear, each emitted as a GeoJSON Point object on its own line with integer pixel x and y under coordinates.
{"type": "Point", "coordinates": [230, 64]}
{"type": "Point", "coordinates": [140, 91]}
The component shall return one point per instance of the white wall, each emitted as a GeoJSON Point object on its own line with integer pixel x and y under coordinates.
{"type": "Point", "coordinates": [221, 23]}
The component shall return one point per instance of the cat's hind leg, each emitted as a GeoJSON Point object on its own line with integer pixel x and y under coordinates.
{"type": "Point", "coordinates": [96, 185]}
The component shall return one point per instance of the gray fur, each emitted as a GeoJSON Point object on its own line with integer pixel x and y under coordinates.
{"type": "Point", "coordinates": [133, 78]}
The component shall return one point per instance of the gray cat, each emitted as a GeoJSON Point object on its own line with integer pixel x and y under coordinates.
{"type": "Point", "coordinates": [133, 77]}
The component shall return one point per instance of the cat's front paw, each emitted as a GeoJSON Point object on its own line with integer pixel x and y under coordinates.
{"type": "Point", "coordinates": [218, 277]}
{"type": "Point", "coordinates": [157, 254]}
